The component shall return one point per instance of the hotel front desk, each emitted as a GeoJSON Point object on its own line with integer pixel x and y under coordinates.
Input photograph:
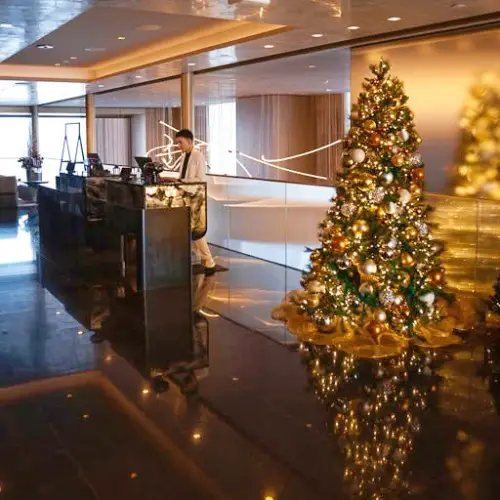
{"type": "Point", "coordinates": [145, 231]}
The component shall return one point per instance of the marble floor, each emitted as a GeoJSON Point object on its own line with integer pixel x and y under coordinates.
{"type": "Point", "coordinates": [106, 393]}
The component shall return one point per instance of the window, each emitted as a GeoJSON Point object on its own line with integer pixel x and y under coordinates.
{"type": "Point", "coordinates": [15, 143]}
{"type": "Point", "coordinates": [222, 138]}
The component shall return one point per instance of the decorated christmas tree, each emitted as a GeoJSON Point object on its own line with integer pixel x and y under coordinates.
{"type": "Point", "coordinates": [377, 272]}
{"type": "Point", "coordinates": [375, 408]}
{"type": "Point", "coordinates": [478, 169]}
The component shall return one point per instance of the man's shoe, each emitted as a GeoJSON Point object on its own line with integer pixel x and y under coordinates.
{"type": "Point", "coordinates": [210, 271]}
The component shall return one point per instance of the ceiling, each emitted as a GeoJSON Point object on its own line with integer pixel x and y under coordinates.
{"type": "Point", "coordinates": [104, 40]}
{"type": "Point", "coordinates": [318, 73]}
{"type": "Point", "coordinates": [71, 26]}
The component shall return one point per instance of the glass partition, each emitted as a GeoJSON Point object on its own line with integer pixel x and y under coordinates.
{"type": "Point", "coordinates": [268, 225]}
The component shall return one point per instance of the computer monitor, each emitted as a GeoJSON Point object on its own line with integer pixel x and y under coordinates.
{"type": "Point", "coordinates": [142, 161]}
{"type": "Point", "coordinates": [125, 173]}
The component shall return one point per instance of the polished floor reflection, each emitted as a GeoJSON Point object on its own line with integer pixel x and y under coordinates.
{"type": "Point", "coordinates": [108, 393]}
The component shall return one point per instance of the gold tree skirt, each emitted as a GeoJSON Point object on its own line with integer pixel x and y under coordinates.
{"type": "Point", "coordinates": [359, 341]}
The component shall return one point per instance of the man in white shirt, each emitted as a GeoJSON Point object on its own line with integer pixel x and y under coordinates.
{"type": "Point", "coordinates": [194, 169]}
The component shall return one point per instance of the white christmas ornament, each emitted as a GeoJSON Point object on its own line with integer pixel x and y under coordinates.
{"type": "Point", "coordinates": [369, 267]}
{"type": "Point", "coordinates": [427, 298]}
{"type": "Point", "coordinates": [404, 134]}
{"type": "Point", "coordinates": [404, 196]}
{"type": "Point", "coordinates": [391, 208]}
{"type": "Point", "coordinates": [388, 178]}
{"type": "Point", "coordinates": [358, 155]}
{"type": "Point", "coordinates": [392, 243]}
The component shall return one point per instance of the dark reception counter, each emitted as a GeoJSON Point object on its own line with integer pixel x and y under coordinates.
{"type": "Point", "coordinates": [144, 231]}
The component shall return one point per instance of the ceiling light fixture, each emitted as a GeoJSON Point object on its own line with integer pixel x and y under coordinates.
{"type": "Point", "coordinates": [94, 49]}
{"type": "Point", "coordinates": [138, 76]}
{"type": "Point", "coordinates": [317, 35]}
{"type": "Point", "coordinates": [458, 5]}
{"type": "Point", "coordinates": [6, 25]}
{"type": "Point", "coordinates": [269, 46]}
{"type": "Point", "coordinates": [66, 62]}
{"type": "Point", "coordinates": [120, 38]}
{"type": "Point", "coordinates": [73, 57]}
{"type": "Point", "coordinates": [353, 28]}
{"type": "Point", "coordinates": [394, 19]}
{"type": "Point", "coordinates": [311, 66]}
{"type": "Point", "coordinates": [191, 64]}
{"type": "Point", "coordinates": [44, 46]}
{"type": "Point", "coordinates": [57, 64]}
{"type": "Point", "coordinates": [329, 90]}
{"type": "Point", "coordinates": [100, 85]}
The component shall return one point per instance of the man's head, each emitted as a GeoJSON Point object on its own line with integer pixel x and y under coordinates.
{"type": "Point", "coordinates": [184, 139]}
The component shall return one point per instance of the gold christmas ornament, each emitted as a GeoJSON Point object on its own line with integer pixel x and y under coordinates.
{"type": "Point", "coordinates": [313, 300]}
{"type": "Point", "coordinates": [398, 160]}
{"type": "Point", "coordinates": [366, 288]}
{"type": "Point", "coordinates": [315, 256]}
{"type": "Point", "coordinates": [407, 260]}
{"type": "Point", "coordinates": [411, 232]}
{"type": "Point", "coordinates": [403, 279]}
{"type": "Point", "coordinates": [391, 208]}
{"type": "Point", "coordinates": [360, 227]}
{"type": "Point", "coordinates": [418, 174]}
{"type": "Point", "coordinates": [339, 243]}
{"type": "Point", "coordinates": [375, 139]}
{"type": "Point", "coordinates": [380, 315]}
{"type": "Point", "coordinates": [375, 328]}
{"type": "Point", "coordinates": [315, 287]}
{"type": "Point", "coordinates": [365, 181]}
{"type": "Point", "coordinates": [369, 125]}
{"type": "Point", "coordinates": [415, 190]}
{"type": "Point", "coordinates": [436, 277]}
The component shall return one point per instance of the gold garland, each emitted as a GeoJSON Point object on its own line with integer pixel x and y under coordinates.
{"type": "Point", "coordinates": [362, 341]}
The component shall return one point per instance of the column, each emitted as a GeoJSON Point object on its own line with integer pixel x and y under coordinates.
{"type": "Point", "coordinates": [35, 146]}
{"type": "Point", "coordinates": [90, 123]}
{"type": "Point", "coordinates": [187, 103]}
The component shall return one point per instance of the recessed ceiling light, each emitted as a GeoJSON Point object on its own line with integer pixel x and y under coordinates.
{"type": "Point", "coordinates": [149, 27]}
{"type": "Point", "coordinates": [100, 85]}
{"type": "Point", "coordinates": [458, 5]}
{"type": "Point", "coordinates": [44, 46]}
{"type": "Point", "coordinates": [66, 62]}
{"type": "Point", "coordinates": [311, 66]}
{"type": "Point", "coordinates": [138, 76]}
{"type": "Point", "coordinates": [353, 28]}
{"type": "Point", "coordinates": [269, 46]}
{"type": "Point", "coordinates": [73, 57]}
{"type": "Point", "coordinates": [6, 25]}
{"type": "Point", "coordinates": [94, 49]}
{"type": "Point", "coordinates": [317, 35]}
{"type": "Point", "coordinates": [192, 64]}
{"type": "Point", "coordinates": [329, 90]}
{"type": "Point", "coordinates": [57, 64]}
{"type": "Point", "coordinates": [120, 38]}
{"type": "Point", "coordinates": [394, 19]}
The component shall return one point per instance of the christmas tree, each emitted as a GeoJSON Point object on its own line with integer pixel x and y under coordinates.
{"type": "Point", "coordinates": [478, 171]}
{"type": "Point", "coordinates": [378, 269]}
{"type": "Point", "coordinates": [375, 408]}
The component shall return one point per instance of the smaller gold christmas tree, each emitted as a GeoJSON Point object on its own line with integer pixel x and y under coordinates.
{"type": "Point", "coordinates": [478, 169]}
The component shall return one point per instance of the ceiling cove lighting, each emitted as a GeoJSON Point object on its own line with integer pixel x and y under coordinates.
{"type": "Point", "coordinates": [44, 46]}
{"type": "Point", "coordinates": [394, 19]}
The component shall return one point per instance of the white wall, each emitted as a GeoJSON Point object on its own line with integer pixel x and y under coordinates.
{"type": "Point", "coordinates": [138, 133]}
